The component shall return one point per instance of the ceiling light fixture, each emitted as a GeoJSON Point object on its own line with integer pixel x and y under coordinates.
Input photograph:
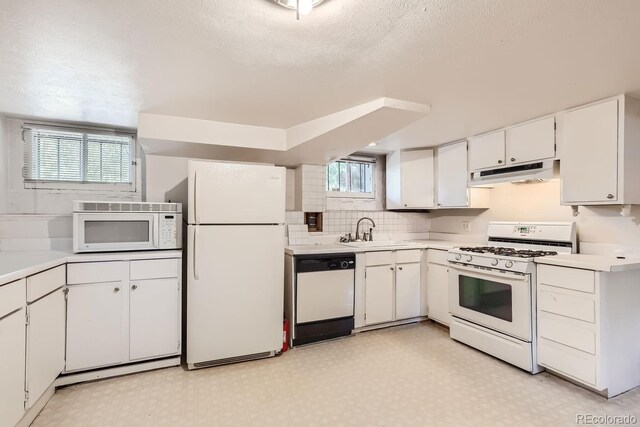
{"type": "Point", "coordinates": [302, 7]}
{"type": "Point", "coordinates": [373, 144]}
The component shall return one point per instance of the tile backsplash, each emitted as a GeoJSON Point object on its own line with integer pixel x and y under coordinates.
{"type": "Point", "coordinates": [336, 223]}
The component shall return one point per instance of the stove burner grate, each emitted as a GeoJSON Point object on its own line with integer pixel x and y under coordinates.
{"type": "Point", "coordinates": [517, 253]}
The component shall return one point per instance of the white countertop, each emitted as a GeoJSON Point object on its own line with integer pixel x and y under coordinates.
{"type": "Point", "coordinates": [336, 248]}
{"type": "Point", "coordinates": [15, 265]}
{"type": "Point", "coordinates": [608, 263]}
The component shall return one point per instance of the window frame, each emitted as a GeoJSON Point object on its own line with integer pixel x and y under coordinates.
{"type": "Point", "coordinates": [353, 194]}
{"type": "Point", "coordinates": [117, 187]}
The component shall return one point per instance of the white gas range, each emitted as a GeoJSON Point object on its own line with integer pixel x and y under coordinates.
{"type": "Point", "coordinates": [492, 289]}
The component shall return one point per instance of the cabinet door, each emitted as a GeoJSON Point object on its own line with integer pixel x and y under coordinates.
{"type": "Point", "coordinates": [153, 318]}
{"type": "Point", "coordinates": [45, 350]}
{"type": "Point", "coordinates": [438, 293]}
{"type": "Point", "coordinates": [452, 175]}
{"type": "Point", "coordinates": [96, 325]}
{"type": "Point", "coordinates": [487, 151]}
{"type": "Point", "coordinates": [589, 157]}
{"type": "Point", "coordinates": [12, 367]}
{"type": "Point", "coordinates": [407, 290]}
{"type": "Point", "coordinates": [417, 169]}
{"type": "Point", "coordinates": [378, 294]}
{"type": "Point", "coordinates": [532, 141]}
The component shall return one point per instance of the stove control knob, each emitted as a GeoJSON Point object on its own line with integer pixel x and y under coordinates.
{"type": "Point", "coordinates": [469, 258]}
{"type": "Point", "coordinates": [494, 262]}
{"type": "Point", "coordinates": [458, 257]}
{"type": "Point", "coordinates": [508, 264]}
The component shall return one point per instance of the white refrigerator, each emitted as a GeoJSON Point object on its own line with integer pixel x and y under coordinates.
{"type": "Point", "coordinates": [235, 262]}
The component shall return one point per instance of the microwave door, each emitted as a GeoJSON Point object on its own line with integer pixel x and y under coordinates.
{"type": "Point", "coordinates": [115, 232]}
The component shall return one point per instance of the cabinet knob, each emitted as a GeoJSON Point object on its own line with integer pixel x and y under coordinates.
{"type": "Point", "coordinates": [399, 268]}
{"type": "Point", "coordinates": [391, 268]}
{"type": "Point", "coordinates": [405, 205]}
{"type": "Point", "coordinates": [513, 159]}
{"type": "Point", "coordinates": [116, 290]}
{"type": "Point", "coordinates": [499, 162]}
{"type": "Point", "coordinates": [134, 287]}
{"type": "Point", "coordinates": [609, 196]}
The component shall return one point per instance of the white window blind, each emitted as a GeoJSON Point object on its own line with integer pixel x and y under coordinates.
{"type": "Point", "coordinates": [76, 155]}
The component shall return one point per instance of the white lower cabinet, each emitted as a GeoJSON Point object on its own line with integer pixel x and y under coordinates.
{"type": "Point", "coordinates": [438, 286]}
{"type": "Point", "coordinates": [134, 317]}
{"type": "Point", "coordinates": [95, 325]}
{"type": "Point", "coordinates": [588, 326]}
{"type": "Point", "coordinates": [12, 367]}
{"type": "Point", "coordinates": [407, 291]}
{"type": "Point", "coordinates": [45, 344]}
{"type": "Point", "coordinates": [378, 294]}
{"type": "Point", "coordinates": [154, 310]}
{"type": "Point", "coordinates": [392, 286]}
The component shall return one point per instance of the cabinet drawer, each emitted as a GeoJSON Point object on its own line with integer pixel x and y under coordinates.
{"type": "Point", "coordinates": [12, 297]}
{"type": "Point", "coordinates": [570, 332]}
{"type": "Point", "coordinates": [570, 304]}
{"type": "Point", "coordinates": [43, 283]}
{"type": "Point", "coordinates": [412, 255]}
{"type": "Point", "coordinates": [437, 256]}
{"type": "Point", "coordinates": [568, 278]}
{"type": "Point", "coordinates": [153, 269]}
{"type": "Point", "coordinates": [568, 361]}
{"type": "Point", "coordinates": [97, 272]}
{"type": "Point", "coordinates": [379, 258]}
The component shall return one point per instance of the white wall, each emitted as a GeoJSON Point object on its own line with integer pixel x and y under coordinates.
{"type": "Point", "coordinates": [599, 228]}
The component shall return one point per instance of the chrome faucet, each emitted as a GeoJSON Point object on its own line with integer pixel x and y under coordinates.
{"type": "Point", "coordinates": [358, 228]}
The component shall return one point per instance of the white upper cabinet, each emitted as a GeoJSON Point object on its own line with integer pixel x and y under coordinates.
{"type": "Point", "coordinates": [452, 175]}
{"type": "Point", "coordinates": [600, 153]}
{"type": "Point", "coordinates": [487, 151]}
{"type": "Point", "coordinates": [531, 141]}
{"type": "Point", "coordinates": [410, 179]}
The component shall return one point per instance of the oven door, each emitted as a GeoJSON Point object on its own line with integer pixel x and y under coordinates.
{"type": "Point", "coordinates": [492, 298]}
{"type": "Point", "coordinates": [108, 232]}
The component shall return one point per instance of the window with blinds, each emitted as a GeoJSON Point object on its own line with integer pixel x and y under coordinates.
{"type": "Point", "coordinates": [78, 156]}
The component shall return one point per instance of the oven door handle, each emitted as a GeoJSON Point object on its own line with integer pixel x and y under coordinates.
{"type": "Point", "coordinates": [508, 276]}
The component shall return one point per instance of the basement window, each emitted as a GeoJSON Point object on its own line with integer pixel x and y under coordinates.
{"type": "Point", "coordinates": [74, 158]}
{"type": "Point", "coordinates": [351, 177]}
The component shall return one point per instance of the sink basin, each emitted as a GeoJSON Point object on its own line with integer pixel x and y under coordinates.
{"type": "Point", "coordinates": [374, 244]}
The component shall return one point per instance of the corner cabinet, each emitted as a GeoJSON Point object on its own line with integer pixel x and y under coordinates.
{"type": "Point", "coordinates": [122, 311]}
{"type": "Point", "coordinates": [452, 179]}
{"type": "Point", "coordinates": [438, 286]}
{"type": "Point", "coordinates": [392, 286]}
{"type": "Point", "coordinates": [600, 151]}
{"type": "Point", "coordinates": [410, 179]}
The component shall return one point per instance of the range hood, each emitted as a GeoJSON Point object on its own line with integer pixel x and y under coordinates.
{"type": "Point", "coordinates": [530, 172]}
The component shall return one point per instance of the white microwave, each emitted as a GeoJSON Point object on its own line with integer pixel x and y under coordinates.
{"type": "Point", "coordinates": [126, 226]}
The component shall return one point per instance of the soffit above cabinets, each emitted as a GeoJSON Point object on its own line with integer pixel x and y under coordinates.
{"type": "Point", "coordinates": [314, 142]}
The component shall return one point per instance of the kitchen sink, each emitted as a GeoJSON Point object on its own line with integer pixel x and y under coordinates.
{"type": "Point", "coordinates": [374, 244]}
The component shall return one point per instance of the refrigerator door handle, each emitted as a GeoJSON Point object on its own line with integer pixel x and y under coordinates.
{"type": "Point", "coordinates": [196, 275]}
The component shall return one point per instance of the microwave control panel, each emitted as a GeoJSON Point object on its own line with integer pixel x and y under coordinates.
{"type": "Point", "coordinates": [169, 232]}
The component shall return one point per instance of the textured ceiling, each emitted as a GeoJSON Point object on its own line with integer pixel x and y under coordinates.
{"type": "Point", "coordinates": [480, 64]}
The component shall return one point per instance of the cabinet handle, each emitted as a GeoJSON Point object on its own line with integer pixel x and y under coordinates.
{"type": "Point", "coordinates": [609, 196]}
{"type": "Point", "coordinates": [499, 162]}
{"type": "Point", "coordinates": [134, 287]}
{"type": "Point", "coordinates": [391, 268]}
{"type": "Point", "coordinates": [405, 205]}
{"type": "Point", "coordinates": [513, 159]}
{"type": "Point", "coordinates": [116, 290]}
{"type": "Point", "coordinates": [399, 268]}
